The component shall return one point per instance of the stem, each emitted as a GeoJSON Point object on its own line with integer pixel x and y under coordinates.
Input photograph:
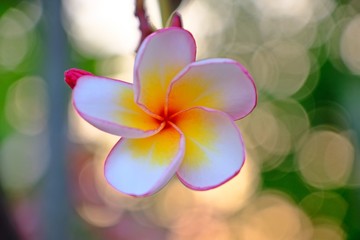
{"type": "Point", "coordinates": [167, 7]}
{"type": "Point", "coordinates": [144, 25]}
{"type": "Point", "coordinates": [56, 205]}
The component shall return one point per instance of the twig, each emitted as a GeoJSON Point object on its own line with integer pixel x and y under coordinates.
{"type": "Point", "coordinates": [144, 25]}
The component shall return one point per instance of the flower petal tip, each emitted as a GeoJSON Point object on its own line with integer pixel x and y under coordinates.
{"type": "Point", "coordinates": [72, 75]}
{"type": "Point", "coordinates": [175, 20]}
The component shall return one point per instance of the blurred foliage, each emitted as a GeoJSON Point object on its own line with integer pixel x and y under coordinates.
{"type": "Point", "coordinates": [6, 4]}
{"type": "Point", "coordinates": [302, 175]}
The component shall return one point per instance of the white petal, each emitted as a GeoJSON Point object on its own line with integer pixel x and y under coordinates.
{"type": "Point", "coordinates": [109, 105]}
{"type": "Point", "coordinates": [160, 58]}
{"type": "Point", "coordinates": [214, 150]}
{"type": "Point", "coordinates": [222, 84]}
{"type": "Point", "coordinates": [141, 167]}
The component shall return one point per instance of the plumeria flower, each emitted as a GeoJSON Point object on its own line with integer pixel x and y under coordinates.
{"type": "Point", "coordinates": [176, 118]}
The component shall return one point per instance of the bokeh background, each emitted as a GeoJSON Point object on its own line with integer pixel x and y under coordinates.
{"type": "Point", "coordinates": [301, 179]}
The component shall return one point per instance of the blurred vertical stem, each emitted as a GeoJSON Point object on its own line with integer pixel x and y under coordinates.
{"type": "Point", "coordinates": [55, 193]}
{"type": "Point", "coordinates": [167, 7]}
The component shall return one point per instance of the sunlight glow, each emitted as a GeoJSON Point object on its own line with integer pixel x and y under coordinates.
{"type": "Point", "coordinates": [325, 159]}
{"type": "Point", "coordinates": [102, 27]}
{"type": "Point", "coordinates": [350, 45]}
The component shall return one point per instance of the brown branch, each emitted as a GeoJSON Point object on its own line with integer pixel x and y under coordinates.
{"type": "Point", "coordinates": [144, 25]}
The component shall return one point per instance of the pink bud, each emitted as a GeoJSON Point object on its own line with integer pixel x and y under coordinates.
{"type": "Point", "coordinates": [175, 20]}
{"type": "Point", "coordinates": [73, 74]}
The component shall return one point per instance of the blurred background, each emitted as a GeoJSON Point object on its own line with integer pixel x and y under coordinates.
{"type": "Point", "coordinates": [301, 179]}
